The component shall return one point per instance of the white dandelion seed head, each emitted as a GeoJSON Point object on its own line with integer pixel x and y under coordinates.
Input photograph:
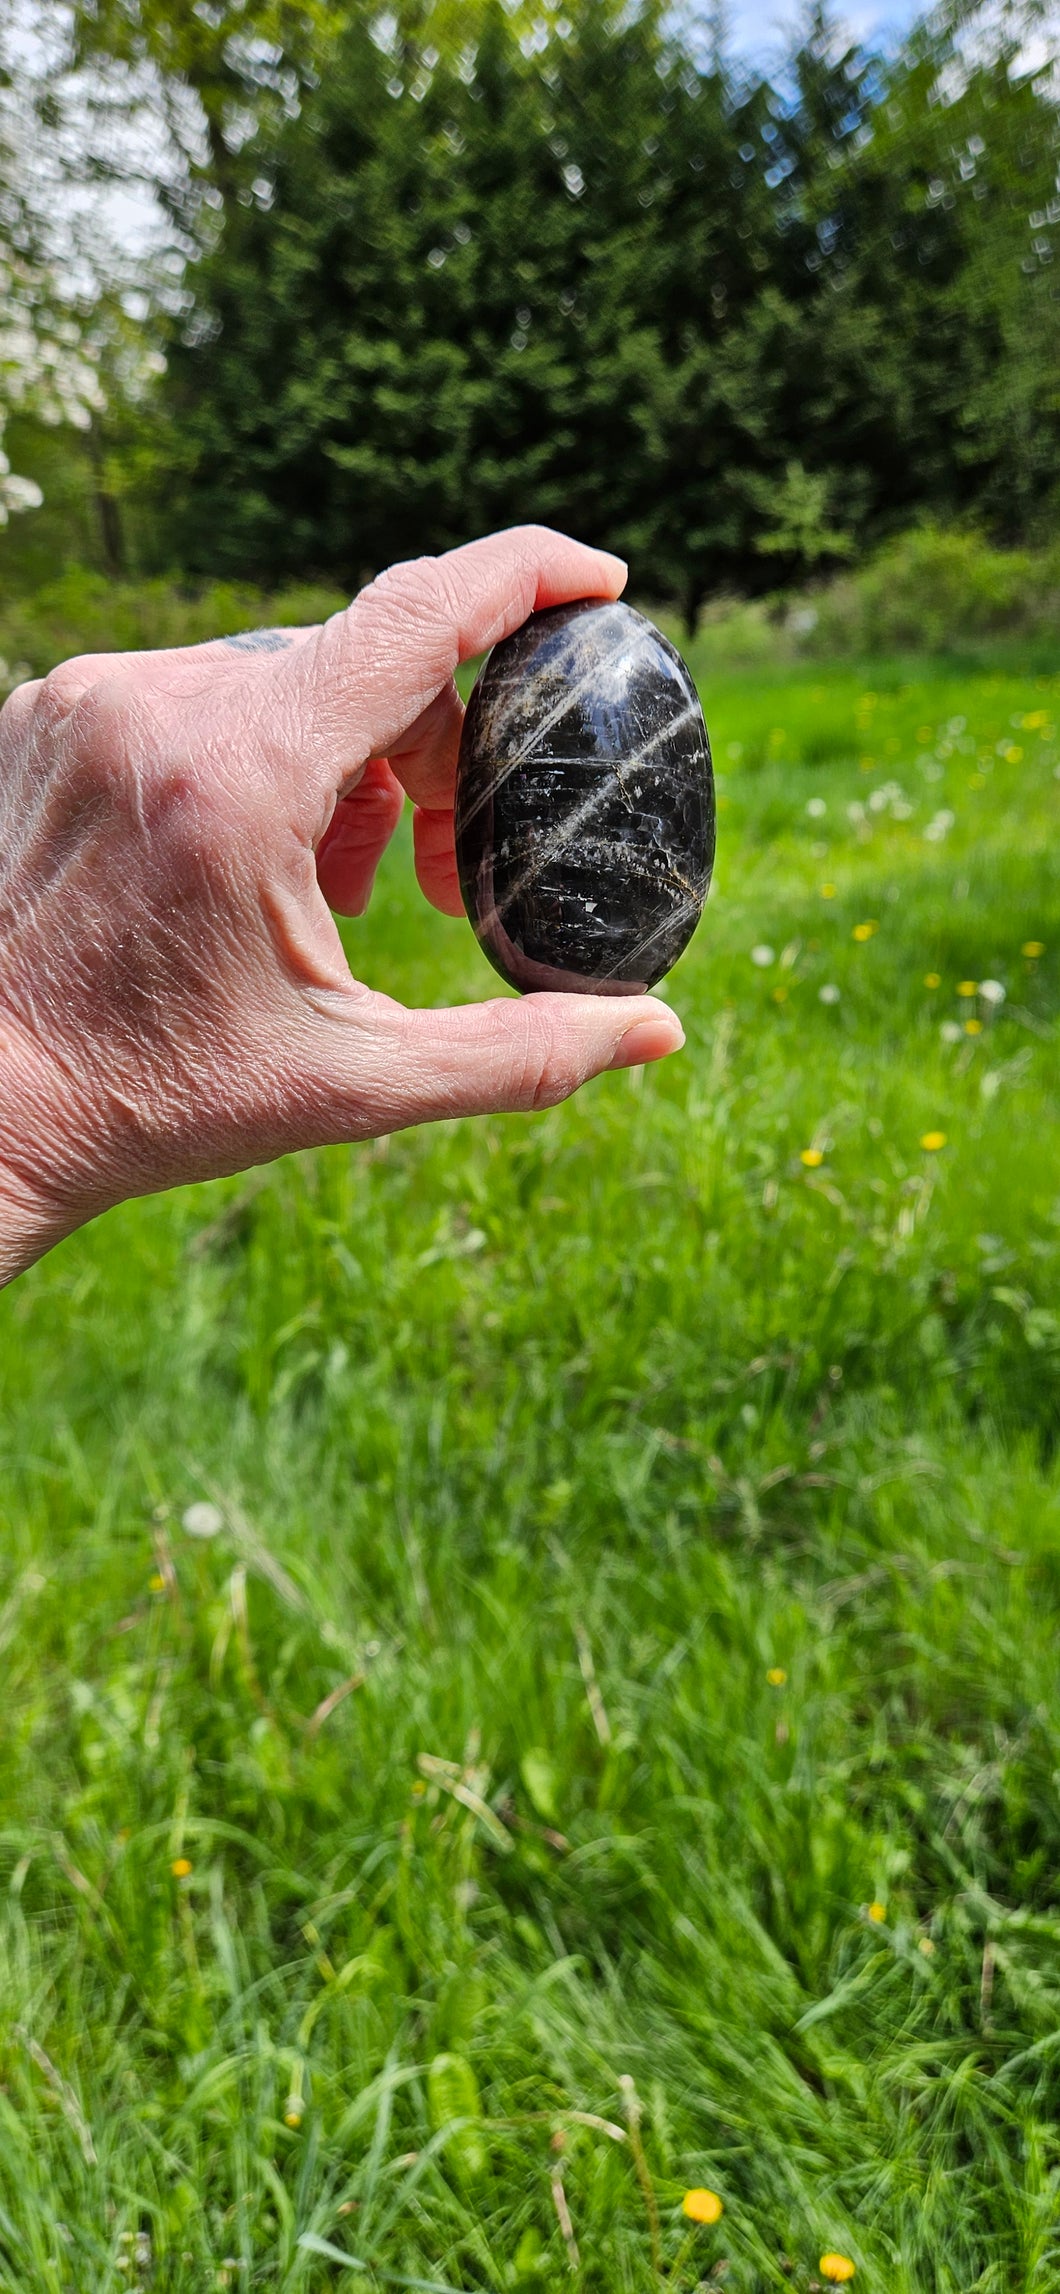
{"type": "Point", "coordinates": [762, 956]}
{"type": "Point", "coordinates": [203, 1519]}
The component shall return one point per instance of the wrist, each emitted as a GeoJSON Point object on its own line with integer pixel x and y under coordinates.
{"type": "Point", "coordinates": [42, 1196]}
{"type": "Point", "coordinates": [26, 1229]}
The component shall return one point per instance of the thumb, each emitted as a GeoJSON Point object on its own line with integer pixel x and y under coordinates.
{"type": "Point", "coordinates": [382, 1067]}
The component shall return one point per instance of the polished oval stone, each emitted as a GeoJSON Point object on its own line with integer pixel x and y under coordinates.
{"type": "Point", "coordinates": [584, 803]}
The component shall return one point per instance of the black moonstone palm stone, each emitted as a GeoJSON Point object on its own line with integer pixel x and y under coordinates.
{"type": "Point", "coordinates": [584, 803]}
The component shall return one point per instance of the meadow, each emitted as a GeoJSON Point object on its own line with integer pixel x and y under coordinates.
{"type": "Point", "coordinates": [530, 1654]}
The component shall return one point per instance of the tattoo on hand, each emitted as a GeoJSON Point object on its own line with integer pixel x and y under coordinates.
{"type": "Point", "coordinates": [259, 641]}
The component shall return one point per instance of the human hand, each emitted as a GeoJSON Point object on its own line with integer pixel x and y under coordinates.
{"type": "Point", "coordinates": [175, 1002]}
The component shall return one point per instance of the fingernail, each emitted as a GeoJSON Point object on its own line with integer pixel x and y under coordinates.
{"type": "Point", "coordinates": [649, 1039]}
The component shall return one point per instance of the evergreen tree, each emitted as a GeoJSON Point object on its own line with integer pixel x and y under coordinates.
{"type": "Point", "coordinates": [568, 270]}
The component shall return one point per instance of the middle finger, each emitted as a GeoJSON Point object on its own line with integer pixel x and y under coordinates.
{"type": "Point", "coordinates": [424, 757]}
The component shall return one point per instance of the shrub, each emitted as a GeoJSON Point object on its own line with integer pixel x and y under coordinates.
{"type": "Point", "coordinates": [933, 588]}
{"type": "Point", "coordinates": [82, 612]}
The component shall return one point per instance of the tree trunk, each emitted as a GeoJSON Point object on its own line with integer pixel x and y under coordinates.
{"type": "Point", "coordinates": [108, 515]}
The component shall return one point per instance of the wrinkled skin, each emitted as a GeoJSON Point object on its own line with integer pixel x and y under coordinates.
{"type": "Point", "coordinates": [175, 829]}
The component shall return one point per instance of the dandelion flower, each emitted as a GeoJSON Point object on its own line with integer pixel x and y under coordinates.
{"type": "Point", "coordinates": [1033, 948]}
{"type": "Point", "coordinates": [702, 2206]}
{"type": "Point", "coordinates": [865, 931]}
{"type": "Point", "coordinates": [813, 1157]}
{"type": "Point", "coordinates": [968, 988]}
{"type": "Point", "coordinates": [776, 1676]}
{"type": "Point", "coordinates": [157, 1582]}
{"type": "Point", "coordinates": [828, 891]}
{"type": "Point", "coordinates": [837, 2268]}
{"type": "Point", "coordinates": [931, 1141]}
{"type": "Point", "coordinates": [763, 956]}
{"type": "Point", "coordinates": [877, 1912]}
{"type": "Point", "coordinates": [291, 2117]}
{"type": "Point", "coordinates": [180, 1867]}
{"type": "Point", "coordinates": [932, 980]}
{"type": "Point", "coordinates": [202, 1520]}
{"type": "Point", "coordinates": [927, 1947]}
{"type": "Point", "coordinates": [973, 1027]}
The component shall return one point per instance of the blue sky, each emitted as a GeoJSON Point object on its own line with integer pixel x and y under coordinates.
{"type": "Point", "coordinates": [759, 27]}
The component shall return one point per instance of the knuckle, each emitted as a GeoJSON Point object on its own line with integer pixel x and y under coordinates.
{"type": "Point", "coordinates": [408, 590]}
{"type": "Point", "coordinates": [118, 767]}
{"type": "Point", "coordinates": [534, 538]}
{"type": "Point", "coordinates": [544, 1069]}
{"type": "Point", "coordinates": [64, 687]}
{"type": "Point", "coordinates": [533, 547]}
{"type": "Point", "coordinates": [17, 712]}
{"type": "Point", "coordinates": [99, 731]}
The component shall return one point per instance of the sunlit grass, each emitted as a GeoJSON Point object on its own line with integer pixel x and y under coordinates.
{"type": "Point", "coordinates": [595, 1740]}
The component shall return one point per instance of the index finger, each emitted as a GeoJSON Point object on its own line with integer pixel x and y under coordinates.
{"type": "Point", "coordinates": [362, 680]}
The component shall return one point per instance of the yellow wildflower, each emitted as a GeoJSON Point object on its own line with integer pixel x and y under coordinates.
{"type": "Point", "coordinates": [180, 1867]}
{"type": "Point", "coordinates": [157, 1582]}
{"type": "Point", "coordinates": [776, 1676]}
{"type": "Point", "coordinates": [838, 2268]}
{"type": "Point", "coordinates": [926, 1946]}
{"type": "Point", "coordinates": [932, 980]}
{"type": "Point", "coordinates": [968, 988]}
{"type": "Point", "coordinates": [865, 931]}
{"type": "Point", "coordinates": [828, 891]}
{"type": "Point", "coordinates": [932, 1141]}
{"type": "Point", "coordinates": [292, 2118]}
{"type": "Point", "coordinates": [702, 2206]}
{"type": "Point", "coordinates": [813, 1157]}
{"type": "Point", "coordinates": [973, 1027]}
{"type": "Point", "coordinates": [877, 1912]}
{"type": "Point", "coordinates": [1033, 948]}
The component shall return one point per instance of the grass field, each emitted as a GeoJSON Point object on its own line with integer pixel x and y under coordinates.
{"type": "Point", "coordinates": [607, 1741]}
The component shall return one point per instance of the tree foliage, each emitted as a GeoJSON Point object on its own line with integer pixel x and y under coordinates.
{"type": "Point", "coordinates": [486, 263]}
{"type": "Point", "coordinates": [48, 357]}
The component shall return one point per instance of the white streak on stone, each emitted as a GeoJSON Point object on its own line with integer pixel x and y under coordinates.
{"type": "Point", "coordinates": [626, 652]}
{"type": "Point", "coordinates": [627, 964]}
{"type": "Point", "coordinates": [573, 821]}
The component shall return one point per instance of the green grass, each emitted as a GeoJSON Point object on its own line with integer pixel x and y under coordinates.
{"type": "Point", "coordinates": [552, 1440]}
